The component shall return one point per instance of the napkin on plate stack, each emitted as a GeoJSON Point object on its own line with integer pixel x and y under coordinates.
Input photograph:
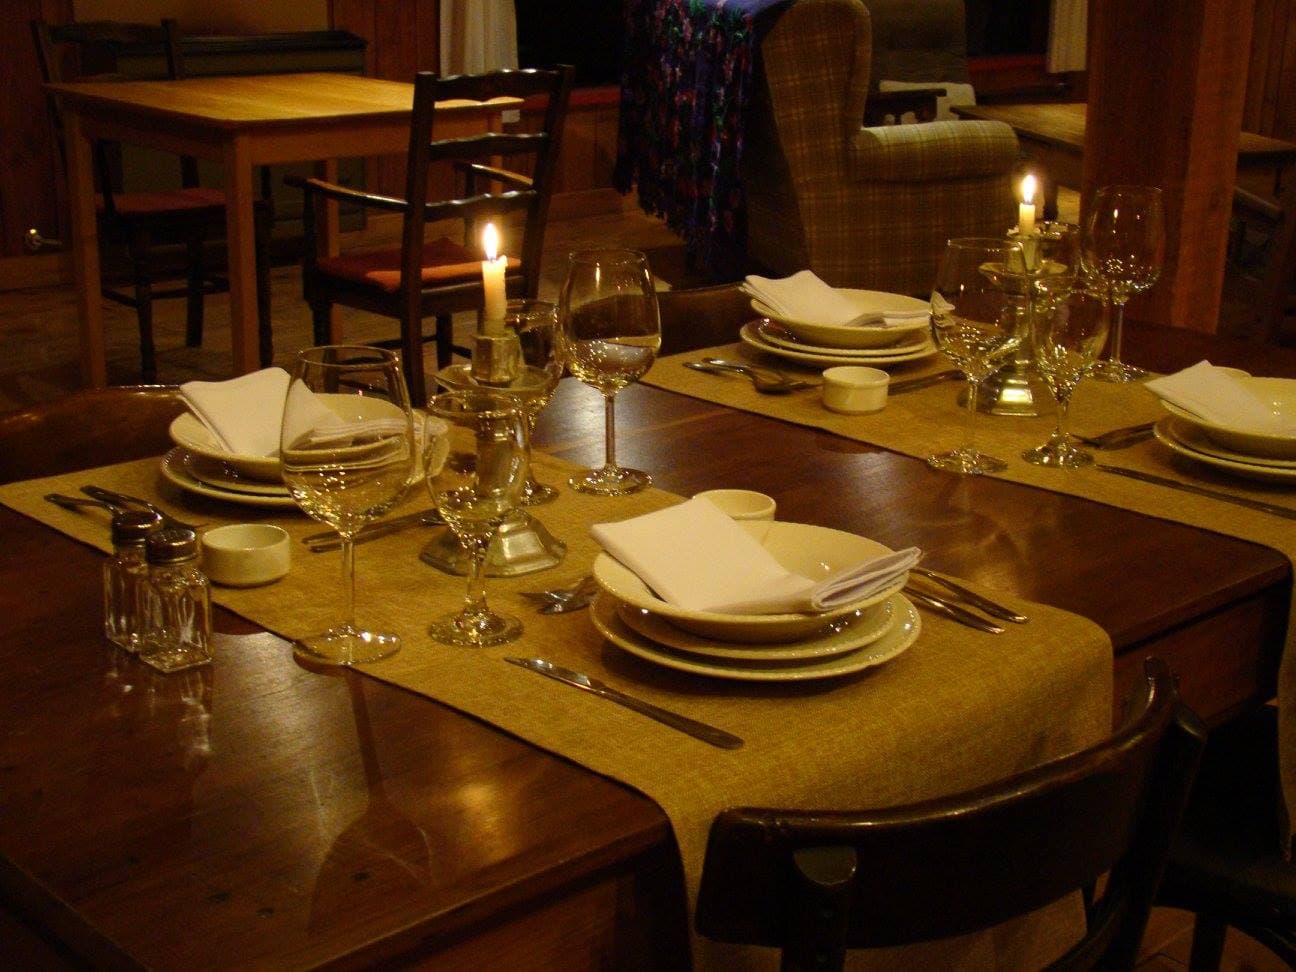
{"type": "Point", "coordinates": [1220, 398]}
{"type": "Point", "coordinates": [804, 297]}
{"type": "Point", "coordinates": [244, 414]}
{"type": "Point", "coordinates": [694, 556]}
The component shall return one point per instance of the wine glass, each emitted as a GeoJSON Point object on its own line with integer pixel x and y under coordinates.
{"type": "Point", "coordinates": [974, 323]}
{"type": "Point", "coordinates": [1067, 332]}
{"type": "Point", "coordinates": [474, 497]}
{"type": "Point", "coordinates": [347, 451]}
{"type": "Point", "coordinates": [536, 324]}
{"type": "Point", "coordinates": [611, 332]}
{"type": "Point", "coordinates": [1124, 246]}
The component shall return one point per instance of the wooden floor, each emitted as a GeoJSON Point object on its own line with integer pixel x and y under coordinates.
{"type": "Point", "coordinates": [39, 355]}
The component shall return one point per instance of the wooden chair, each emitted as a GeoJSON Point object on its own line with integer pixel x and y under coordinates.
{"type": "Point", "coordinates": [1261, 266]}
{"type": "Point", "coordinates": [701, 317]}
{"type": "Point", "coordinates": [1226, 865]}
{"type": "Point", "coordinates": [437, 278]}
{"type": "Point", "coordinates": [87, 429]}
{"type": "Point", "coordinates": [145, 220]}
{"type": "Point", "coordinates": [815, 883]}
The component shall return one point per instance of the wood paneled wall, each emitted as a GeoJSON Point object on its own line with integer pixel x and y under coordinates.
{"type": "Point", "coordinates": [1270, 107]}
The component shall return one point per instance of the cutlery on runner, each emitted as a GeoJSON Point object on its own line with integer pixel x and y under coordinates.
{"type": "Point", "coordinates": [1283, 511]}
{"type": "Point", "coordinates": [698, 730]}
{"type": "Point", "coordinates": [925, 381]}
{"type": "Point", "coordinates": [324, 542]}
{"type": "Point", "coordinates": [952, 611]}
{"type": "Point", "coordinates": [125, 500]}
{"type": "Point", "coordinates": [767, 382]}
{"type": "Point", "coordinates": [77, 502]}
{"type": "Point", "coordinates": [586, 585]}
{"type": "Point", "coordinates": [992, 608]}
{"type": "Point", "coordinates": [1118, 438]}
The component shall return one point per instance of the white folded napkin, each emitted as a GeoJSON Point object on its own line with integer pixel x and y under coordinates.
{"type": "Point", "coordinates": [804, 297]}
{"type": "Point", "coordinates": [244, 414]}
{"type": "Point", "coordinates": [694, 556]}
{"type": "Point", "coordinates": [1220, 398]}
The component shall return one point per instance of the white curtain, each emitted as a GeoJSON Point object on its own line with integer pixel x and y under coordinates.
{"type": "Point", "coordinates": [1068, 35]}
{"type": "Point", "coordinates": [477, 36]}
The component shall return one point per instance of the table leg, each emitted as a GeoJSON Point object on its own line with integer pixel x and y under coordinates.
{"type": "Point", "coordinates": [240, 242]}
{"type": "Point", "coordinates": [85, 252]}
{"type": "Point", "coordinates": [327, 240]}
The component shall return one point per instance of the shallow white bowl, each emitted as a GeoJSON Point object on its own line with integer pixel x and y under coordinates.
{"type": "Point", "coordinates": [857, 336]}
{"type": "Point", "coordinates": [812, 551]}
{"type": "Point", "coordinates": [741, 504]}
{"type": "Point", "coordinates": [246, 554]}
{"type": "Point", "coordinates": [1280, 393]}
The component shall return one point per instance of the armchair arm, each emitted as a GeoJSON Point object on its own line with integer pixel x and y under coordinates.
{"type": "Point", "coordinates": [932, 151]}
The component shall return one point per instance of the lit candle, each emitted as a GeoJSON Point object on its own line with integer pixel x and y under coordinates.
{"type": "Point", "coordinates": [1026, 210]}
{"type": "Point", "coordinates": [493, 282]}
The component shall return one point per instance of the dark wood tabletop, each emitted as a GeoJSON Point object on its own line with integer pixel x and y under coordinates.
{"type": "Point", "coordinates": [261, 813]}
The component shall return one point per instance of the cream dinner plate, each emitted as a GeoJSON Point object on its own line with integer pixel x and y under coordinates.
{"type": "Point", "coordinates": [224, 476]}
{"type": "Point", "coordinates": [1279, 394]}
{"type": "Point", "coordinates": [1183, 438]}
{"type": "Point", "coordinates": [902, 633]}
{"type": "Point", "coordinates": [856, 335]}
{"type": "Point", "coordinates": [771, 332]}
{"type": "Point", "coordinates": [174, 469]}
{"type": "Point", "coordinates": [838, 637]}
{"type": "Point", "coordinates": [751, 337]}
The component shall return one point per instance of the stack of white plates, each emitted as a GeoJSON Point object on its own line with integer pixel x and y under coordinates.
{"type": "Point", "coordinates": [773, 647]}
{"type": "Point", "coordinates": [825, 345]}
{"type": "Point", "coordinates": [1261, 455]}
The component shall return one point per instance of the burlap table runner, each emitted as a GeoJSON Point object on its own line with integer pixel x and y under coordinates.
{"type": "Point", "coordinates": [929, 420]}
{"type": "Point", "coordinates": [958, 709]}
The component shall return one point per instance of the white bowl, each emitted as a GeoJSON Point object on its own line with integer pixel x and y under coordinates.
{"type": "Point", "coordinates": [1280, 394]}
{"type": "Point", "coordinates": [857, 335]}
{"type": "Point", "coordinates": [855, 389]}
{"type": "Point", "coordinates": [246, 554]}
{"type": "Point", "coordinates": [741, 504]}
{"type": "Point", "coordinates": [812, 551]}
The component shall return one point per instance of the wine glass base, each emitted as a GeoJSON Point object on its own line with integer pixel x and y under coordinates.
{"type": "Point", "coordinates": [968, 462]}
{"type": "Point", "coordinates": [1059, 454]}
{"type": "Point", "coordinates": [611, 481]}
{"type": "Point", "coordinates": [476, 629]}
{"type": "Point", "coordinates": [347, 645]}
{"type": "Point", "coordinates": [1117, 372]}
{"type": "Point", "coordinates": [537, 494]}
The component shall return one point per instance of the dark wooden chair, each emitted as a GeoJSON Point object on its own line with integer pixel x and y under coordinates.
{"type": "Point", "coordinates": [1260, 269]}
{"type": "Point", "coordinates": [701, 317]}
{"type": "Point", "coordinates": [815, 883]}
{"type": "Point", "coordinates": [1226, 865]}
{"type": "Point", "coordinates": [144, 221]}
{"type": "Point", "coordinates": [440, 277]}
{"type": "Point", "coordinates": [87, 429]}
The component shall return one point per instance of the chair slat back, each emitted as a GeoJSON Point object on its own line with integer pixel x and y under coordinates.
{"type": "Point", "coordinates": [952, 866]}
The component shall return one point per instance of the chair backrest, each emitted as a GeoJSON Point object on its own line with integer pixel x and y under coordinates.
{"type": "Point", "coordinates": [482, 156]}
{"type": "Point", "coordinates": [817, 883]}
{"type": "Point", "coordinates": [88, 52]}
{"type": "Point", "coordinates": [87, 429]}
{"type": "Point", "coordinates": [701, 317]}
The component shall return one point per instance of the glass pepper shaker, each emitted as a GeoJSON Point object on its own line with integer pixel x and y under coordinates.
{"type": "Point", "coordinates": [176, 603]}
{"type": "Point", "coordinates": [123, 574]}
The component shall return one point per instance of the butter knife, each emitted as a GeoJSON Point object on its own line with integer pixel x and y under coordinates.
{"type": "Point", "coordinates": [329, 540]}
{"type": "Point", "coordinates": [1250, 504]}
{"type": "Point", "coordinates": [913, 384]}
{"type": "Point", "coordinates": [992, 608]}
{"type": "Point", "coordinates": [953, 612]}
{"type": "Point", "coordinates": [698, 730]}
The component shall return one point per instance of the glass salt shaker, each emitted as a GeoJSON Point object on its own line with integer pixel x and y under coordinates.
{"type": "Point", "coordinates": [176, 603]}
{"type": "Point", "coordinates": [123, 574]}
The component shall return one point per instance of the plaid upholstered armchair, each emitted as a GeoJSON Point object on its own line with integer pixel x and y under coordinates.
{"type": "Point", "coordinates": [861, 207]}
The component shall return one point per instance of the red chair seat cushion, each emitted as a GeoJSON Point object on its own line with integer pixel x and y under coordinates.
{"type": "Point", "coordinates": [444, 262]}
{"type": "Point", "coordinates": [166, 201]}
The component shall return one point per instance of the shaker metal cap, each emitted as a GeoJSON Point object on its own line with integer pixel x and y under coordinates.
{"type": "Point", "coordinates": [132, 527]}
{"type": "Point", "coordinates": [174, 545]}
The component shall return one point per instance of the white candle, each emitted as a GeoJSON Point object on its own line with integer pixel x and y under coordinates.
{"type": "Point", "coordinates": [1026, 209]}
{"type": "Point", "coordinates": [493, 282]}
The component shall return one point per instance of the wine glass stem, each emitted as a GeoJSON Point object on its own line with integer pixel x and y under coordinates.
{"type": "Point", "coordinates": [1063, 399]}
{"type": "Point", "coordinates": [970, 445]}
{"type": "Point", "coordinates": [348, 578]}
{"type": "Point", "coordinates": [475, 595]}
{"type": "Point", "coordinates": [609, 421]}
{"type": "Point", "coordinates": [1118, 317]}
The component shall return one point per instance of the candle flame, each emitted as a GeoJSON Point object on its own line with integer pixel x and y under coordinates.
{"type": "Point", "coordinates": [490, 241]}
{"type": "Point", "coordinates": [1028, 189]}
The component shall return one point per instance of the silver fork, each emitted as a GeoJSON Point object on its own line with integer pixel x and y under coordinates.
{"type": "Point", "coordinates": [761, 379]}
{"type": "Point", "coordinates": [112, 497]}
{"type": "Point", "coordinates": [559, 600]}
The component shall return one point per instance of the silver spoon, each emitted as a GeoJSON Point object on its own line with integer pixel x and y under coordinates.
{"type": "Point", "coordinates": [780, 384]}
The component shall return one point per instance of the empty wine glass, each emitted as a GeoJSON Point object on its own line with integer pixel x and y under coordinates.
{"type": "Point", "coordinates": [536, 324]}
{"type": "Point", "coordinates": [611, 332]}
{"type": "Point", "coordinates": [1067, 332]}
{"type": "Point", "coordinates": [974, 323]}
{"type": "Point", "coordinates": [347, 450]}
{"type": "Point", "coordinates": [474, 497]}
{"type": "Point", "coordinates": [1123, 249]}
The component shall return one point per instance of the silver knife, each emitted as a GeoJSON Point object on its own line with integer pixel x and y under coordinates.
{"type": "Point", "coordinates": [992, 608]}
{"type": "Point", "coordinates": [1250, 504]}
{"type": "Point", "coordinates": [698, 730]}
{"type": "Point", "coordinates": [954, 612]}
{"type": "Point", "coordinates": [913, 384]}
{"type": "Point", "coordinates": [329, 540]}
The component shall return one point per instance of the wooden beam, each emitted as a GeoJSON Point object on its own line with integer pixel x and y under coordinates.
{"type": "Point", "coordinates": [1167, 84]}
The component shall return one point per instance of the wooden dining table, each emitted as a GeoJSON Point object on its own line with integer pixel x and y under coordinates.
{"type": "Point", "coordinates": [240, 123]}
{"type": "Point", "coordinates": [119, 789]}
